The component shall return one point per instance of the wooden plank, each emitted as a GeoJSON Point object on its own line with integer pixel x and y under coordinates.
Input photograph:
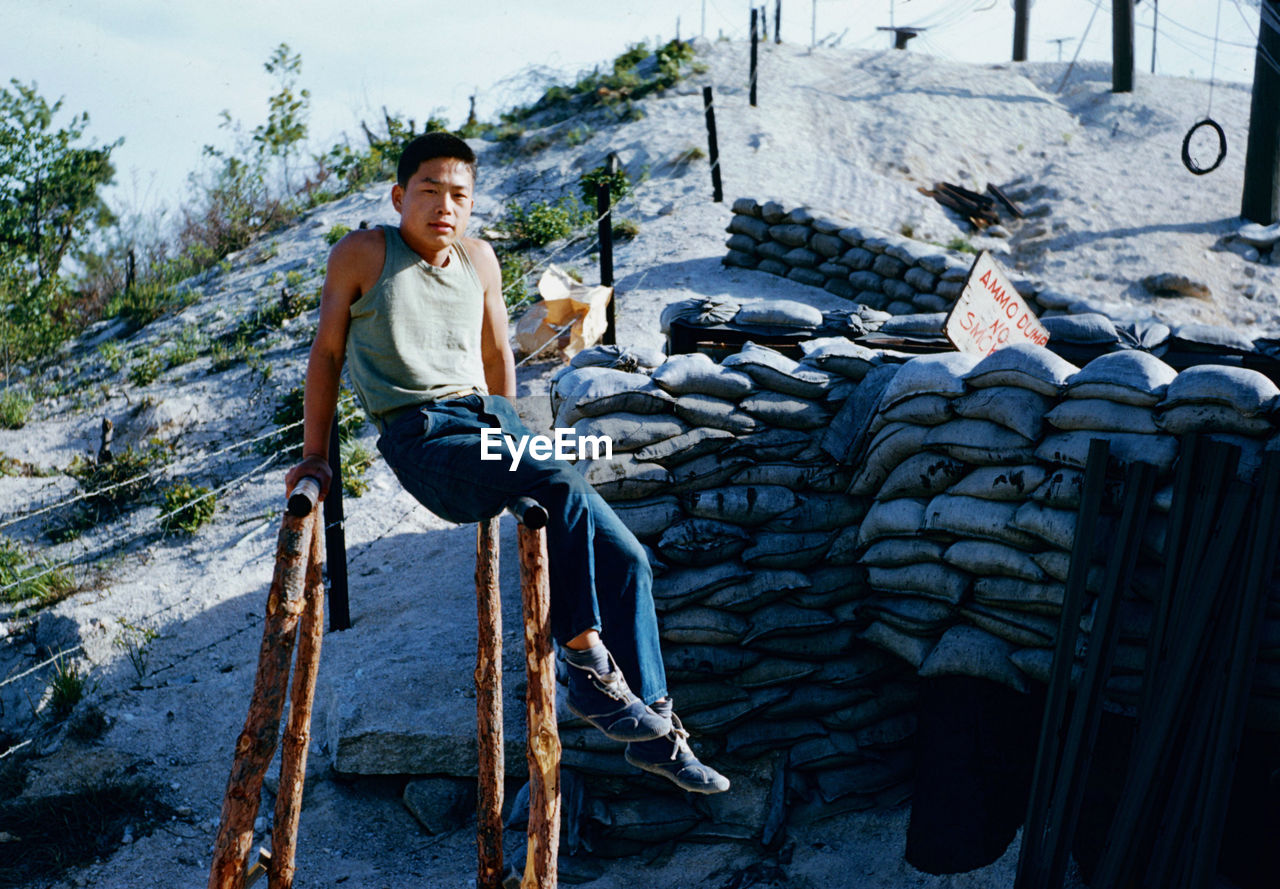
{"type": "Point", "coordinates": [1004, 200]}
{"type": "Point", "coordinates": [1077, 752]}
{"type": "Point", "coordinates": [1260, 201]}
{"type": "Point", "coordinates": [1031, 870]}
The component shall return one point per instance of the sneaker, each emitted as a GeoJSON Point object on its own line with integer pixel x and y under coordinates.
{"type": "Point", "coordinates": [605, 701]}
{"type": "Point", "coordinates": [671, 757]}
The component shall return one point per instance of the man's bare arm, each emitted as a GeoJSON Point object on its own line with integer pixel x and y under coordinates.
{"type": "Point", "coordinates": [351, 262]}
{"type": "Point", "coordinates": [495, 346]}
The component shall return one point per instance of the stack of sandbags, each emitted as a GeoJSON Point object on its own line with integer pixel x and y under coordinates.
{"type": "Point", "coordinates": [905, 464]}
{"type": "Point", "coordinates": [873, 267]}
{"type": "Point", "coordinates": [718, 469]}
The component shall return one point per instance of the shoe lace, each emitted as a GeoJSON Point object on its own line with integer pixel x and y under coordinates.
{"type": "Point", "coordinates": [613, 683]}
{"type": "Point", "coordinates": [681, 736]}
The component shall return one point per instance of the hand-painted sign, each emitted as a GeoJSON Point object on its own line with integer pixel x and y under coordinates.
{"type": "Point", "coordinates": [990, 314]}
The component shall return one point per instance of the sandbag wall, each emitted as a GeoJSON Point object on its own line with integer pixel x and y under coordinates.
{"type": "Point", "coordinates": [898, 275]}
{"type": "Point", "coordinates": [807, 518]}
{"type": "Point", "coordinates": [719, 470]}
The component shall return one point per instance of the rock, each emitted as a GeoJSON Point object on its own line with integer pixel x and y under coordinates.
{"type": "Point", "coordinates": [1170, 284]}
{"type": "Point", "coordinates": [440, 805]}
{"type": "Point", "coordinates": [1262, 236]}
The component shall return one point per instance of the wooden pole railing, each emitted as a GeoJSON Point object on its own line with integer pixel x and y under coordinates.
{"type": "Point", "coordinates": [294, 618]}
{"type": "Point", "coordinates": [544, 739]}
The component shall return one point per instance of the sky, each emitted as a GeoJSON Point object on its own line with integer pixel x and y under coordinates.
{"type": "Point", "coordinates": [159, 74]}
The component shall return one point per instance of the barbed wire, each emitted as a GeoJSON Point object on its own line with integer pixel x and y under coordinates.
{"type": "Point", "coordinates": [41, 665]}
{"type": "Point", "coordinates": [111, 546]}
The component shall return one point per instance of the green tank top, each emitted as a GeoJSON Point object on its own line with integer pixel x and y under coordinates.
{"type": "Point", "coordinates": [415, 335]}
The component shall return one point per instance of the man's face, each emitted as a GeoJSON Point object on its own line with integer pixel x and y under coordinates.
{"type": "Point", "coordinates": [436, 205]}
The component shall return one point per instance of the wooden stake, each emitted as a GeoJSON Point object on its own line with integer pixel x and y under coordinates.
{"type": "Point", "coordinates": [257, 741]}
{"type": "Point", "coordinates": [754, 38]}
{"type": "Point", "coordinates": [713, 147]}
{"type": "Point", "coordinates": [297, 736]}
{"type": "Point", "coordinates": [335, 538]}
{"type": "Point", "coordinates": [488, 676]}
{"type": "Point", "coordinates": [544, 740]}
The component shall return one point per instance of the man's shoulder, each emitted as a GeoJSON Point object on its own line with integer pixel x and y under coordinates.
{"type": "Point", "coordinates": [360, 253]}
{"type": "Point", "coordinates": [478, 249]}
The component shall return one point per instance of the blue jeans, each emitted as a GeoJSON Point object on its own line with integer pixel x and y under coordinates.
{"type": "Point", "coordinates": [600, 575]}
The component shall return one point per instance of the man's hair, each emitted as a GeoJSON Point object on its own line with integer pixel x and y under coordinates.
{"type": "Point", "coordinates": [428, 147]}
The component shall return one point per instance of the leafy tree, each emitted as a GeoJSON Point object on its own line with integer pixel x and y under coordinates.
{"type": "Point", "coordinates": [49, 203]}
{"type": "Point", "coordinates": [48, 184]}
{"type": "Point", "coordinates": [286, 124]}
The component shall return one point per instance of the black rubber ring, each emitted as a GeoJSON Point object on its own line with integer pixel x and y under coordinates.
{"type": "Point", "coordinates": [1186, 147]}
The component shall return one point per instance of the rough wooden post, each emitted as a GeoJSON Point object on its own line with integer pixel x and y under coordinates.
{"type": "Point", "coordinates": [755, 36]}
{"type": "Point", "coordinates": [335, 538]}
{"type": "Point", "coordinates": [297, 734]}
{"type": "Point", "coordinates": [257, 741]}
{"type": "Point", "coordinates": [713, 147]}
{"type": "Point", "coordinates": [544, 740]}
{"type": "Point", "coordinates": [488, 676]}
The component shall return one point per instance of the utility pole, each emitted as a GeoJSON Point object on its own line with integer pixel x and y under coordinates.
{"type": "Point", "coordinates": [1121, 46]}
{"type": "Point", "coordinates": [1155, 29]}
{"type": "Point", "coordinates": [813, 27]}
{"type": "Point", "coordinates": [1059, 41]}
{"type": "Point", "coordinates": [1261, 201]}
{"type": "Point", "coordinates": [1021, 13]}
{"type": "Point", "coordinates": [704, 19]}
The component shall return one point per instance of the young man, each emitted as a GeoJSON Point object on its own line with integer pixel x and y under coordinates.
{"type": "Point", "coordinates": [418, 311]}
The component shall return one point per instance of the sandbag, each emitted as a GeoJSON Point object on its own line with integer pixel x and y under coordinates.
{"type": "Point", "coordinates": [705, 410]}
{"type": "Point", "coordinates": [628, 431]}
{"type": "Point", "coordinates": [759, 589]}
{"type": "Point", "coordinates": [932, 580]}
{"type": "Point", "coordinates": [684, 586]}
{"type": "Point", "coordinates": [624, 477]}
{"type": "Point", "coordinates": [938, 374]}
{"type": "Point", "coordinates": [985, 558]}
{"type": "Point", "coordinates": [911, 649]}
{"type": "Point", "coordinates": [649, 517]}
{"type": "Point", "coordinates": [694, 625]}
{"type": "Point", "coordinates": [921, 475]}
{"type": "Point", "coordinates": [979, 442]}
{"type": "Point", "coordinates": [972, 517]}
{"type": "Point", "coordinates": [1102, 415]}
{"type": "Point", "coordinates": [777, 549]}
{"type": "Point", "coordinates": [685, 447]}
{"type": "Point", "coordinates": [702, 542]}
{"type": "Point", "coordinates": [968, 651]}
{"type": "Point", "coordinates": [696, 374]}
{"type": "Point", "coordinates": [820, 512]}
{"type": "Point", "coordinates": [1025, 365]}
{"type": "Point", "coordinates": [1072, 449]}
{"type": "Point", "coordinates": [892, 518]}
{"type": "Point", "coordinates": [1248, 392]}
{"type": "Point", "coordinates": [895, 552]}
{"type": "Point", "coordinates": [772, 370]}
{"type": "Point", "coordinates": [1187, 418]}
{"type": "Point", "coordinates": [1007, 483]}
{"type": "Point", "coordinates": [748, 505]}
{"type": "Point", "coordinates": [1128, 377]}
{"type": "Point", "coordinates": [785, 410]}
{"type": "Point", "coordinates": [1010, 406]}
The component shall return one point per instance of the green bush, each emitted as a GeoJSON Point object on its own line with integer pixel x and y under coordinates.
{"type": "Point", "coordinates": [15, 407]}
{"type": "Point", "coordinates": [542, 222]}
{"type": "Point", "coordinates": [288, 418]}
{"type": "Point", "coordinates": [184, 507]}
{"type": "Point", "coordinates": [22, 578]}
{"type": "Point", "coordinates": [625, 229]}
{"type": "Point", "coordinates": [515, 270]}
{"type": "Point", "coordinates": [336, 234]}
{"type": "Point", "coordinates": [115, 485]}
{"type": "Point", "coordinates": [619, 184]}
{"type": "Point", "coordinates": [187, 348]}
{"type": "Point", "coordinates": [146, 370]}
{"type": "Point", "coordinates": [356, 460]}
{"type": "Point", "coordinates": [66, 688]}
